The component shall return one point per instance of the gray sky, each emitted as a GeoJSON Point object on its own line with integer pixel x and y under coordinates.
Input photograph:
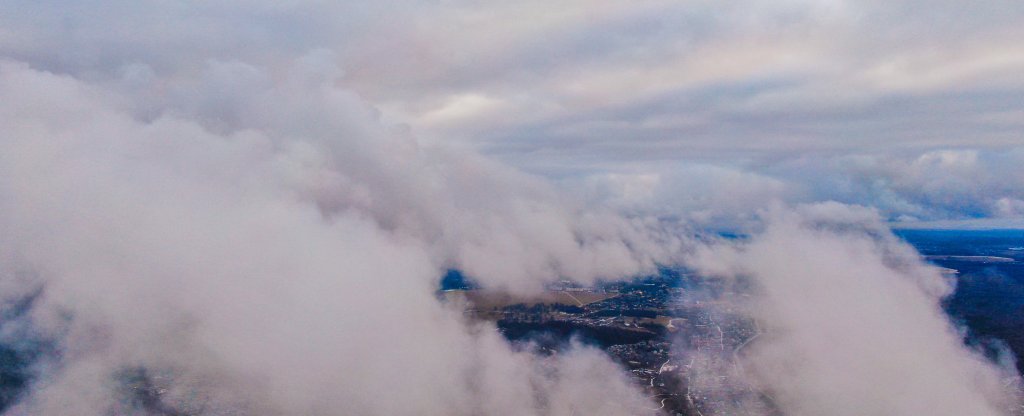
{"type": "Point", "coordinates": [863, 102]}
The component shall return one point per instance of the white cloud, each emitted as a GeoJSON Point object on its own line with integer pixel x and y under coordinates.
{"type": "Point", "coordinates": [280, 249]}
{"type": "Point", "coordinates": [852, 321]}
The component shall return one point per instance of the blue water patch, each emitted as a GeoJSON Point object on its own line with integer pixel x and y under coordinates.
{"type": "Point", "coordinates": [989, 299]}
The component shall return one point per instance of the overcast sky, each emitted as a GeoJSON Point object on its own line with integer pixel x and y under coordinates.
{"type": "Point", "coordinates": [914, 107]}
{"type": "Point", "coordinates": [254, 200]}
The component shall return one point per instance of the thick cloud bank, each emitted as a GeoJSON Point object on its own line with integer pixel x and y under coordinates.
{"type": "Point", "coordinates": [278, 252]}
{"type": "Point", "coordinates": [852, 322]}
{"type": "Point", "coordinates": [258, 243]}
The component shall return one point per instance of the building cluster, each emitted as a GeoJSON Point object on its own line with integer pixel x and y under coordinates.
{"type": "Point", "coordinates": [686, 353]}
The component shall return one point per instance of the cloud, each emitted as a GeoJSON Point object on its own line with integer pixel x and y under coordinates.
{"type": "Point", "coordinates": [956, 186]}
{"type": "Point", "coordinates": [852, 322]}
{"type": "Point", "coordinates": [704, 195]}
{"type": "Point", "coordinates": [591, 88]}
{"type": "Point", "coordinates": [249, 205]}
{"type": "Point", "coordinates": [940, 184]}
{"type": "Point", "coordinates": [267, 245]}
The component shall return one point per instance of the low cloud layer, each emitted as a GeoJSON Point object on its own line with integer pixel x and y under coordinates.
{"type": "Point", "coordinates": [959, 187]}
{"type": "Point", "coordinates": [852, 321]}
{"type": "Point", "coordinates": [280, 256]}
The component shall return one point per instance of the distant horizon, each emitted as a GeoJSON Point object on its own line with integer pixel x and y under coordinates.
{"type": "Point", "coordinates": [959, 225]}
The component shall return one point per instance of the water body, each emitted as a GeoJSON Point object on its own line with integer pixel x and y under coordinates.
{"type": "Point", "coordinates": [989, 299]}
